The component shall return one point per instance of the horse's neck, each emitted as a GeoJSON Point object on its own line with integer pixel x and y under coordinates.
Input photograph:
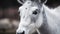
{"type": "Point", "coordinates": [53, 21]}
{"type": "Point", "coordinates": [52, 16]}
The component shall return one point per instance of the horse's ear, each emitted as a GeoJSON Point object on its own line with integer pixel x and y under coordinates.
{"type": "Point", "coordinates": [43, 1]}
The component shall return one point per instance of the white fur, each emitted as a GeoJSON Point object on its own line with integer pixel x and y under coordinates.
{"type": "Point", "coordinates": [53, 19]}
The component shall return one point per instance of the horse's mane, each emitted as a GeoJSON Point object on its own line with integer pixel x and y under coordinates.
{"type": "Point", "coordinates": [52, 9]}
{"type": "Point", "coordinates": [55, 11]}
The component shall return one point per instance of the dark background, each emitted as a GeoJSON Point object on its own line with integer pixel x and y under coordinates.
{"type": "Point", "coordinates": [10, 3]}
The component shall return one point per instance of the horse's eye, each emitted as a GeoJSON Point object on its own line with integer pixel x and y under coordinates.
{"type": "Point", "coordinates": [35, 12]}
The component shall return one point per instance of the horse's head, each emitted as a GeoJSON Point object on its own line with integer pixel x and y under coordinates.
{"type": "Point", "coordinates": [31, 16]}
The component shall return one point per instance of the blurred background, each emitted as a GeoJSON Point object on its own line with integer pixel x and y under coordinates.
{"type": "Point", "coordinates": [9, 16]}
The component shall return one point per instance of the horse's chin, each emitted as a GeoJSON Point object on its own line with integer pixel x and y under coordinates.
{"type": "Point", "coordinates": [32, 31]}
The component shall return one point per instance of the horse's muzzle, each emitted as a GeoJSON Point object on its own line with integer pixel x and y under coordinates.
{"type": "Point", "coordinates": [21, 33]}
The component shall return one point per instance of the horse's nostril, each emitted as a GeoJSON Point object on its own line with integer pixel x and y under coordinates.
{"type": "Point", "coordinates": [21, 33]}
{"type": "Point", "coordinates": [17, 33]}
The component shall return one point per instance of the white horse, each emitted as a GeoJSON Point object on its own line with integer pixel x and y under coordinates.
{"type": "Point", "coordinates": [36, 18]}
